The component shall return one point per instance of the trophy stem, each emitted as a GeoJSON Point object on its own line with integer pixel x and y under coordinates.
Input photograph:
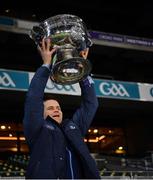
{"type": "Point", "coordinates": [66, 52]}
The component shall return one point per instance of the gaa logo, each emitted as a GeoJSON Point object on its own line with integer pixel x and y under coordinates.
{"type": "Point", "coordinates": [53, 86]}
{"type": "Point", "coordinates": [112, 89]}
{"type": "Point", "coordinates": [6, 81]}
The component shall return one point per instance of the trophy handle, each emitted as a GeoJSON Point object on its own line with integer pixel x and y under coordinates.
{"type": "Point", "coordinates": [37, 34]}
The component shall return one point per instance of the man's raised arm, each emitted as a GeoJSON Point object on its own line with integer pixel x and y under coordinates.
{"type": "Point", "coordinates": [34, 108]}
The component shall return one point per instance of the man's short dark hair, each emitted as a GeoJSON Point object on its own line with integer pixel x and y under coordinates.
{"type": "Point", "coordinates": [49, 97]}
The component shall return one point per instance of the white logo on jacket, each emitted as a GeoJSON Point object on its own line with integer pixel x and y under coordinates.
{"type": "Point", "coordinates": [72, 127]}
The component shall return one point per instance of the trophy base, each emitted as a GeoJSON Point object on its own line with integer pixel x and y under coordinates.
{"type": "Point", "coordinates": [70, 71]}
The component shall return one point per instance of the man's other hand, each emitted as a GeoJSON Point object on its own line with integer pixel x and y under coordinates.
{"type": "Point", "coordinates": [84, 53]}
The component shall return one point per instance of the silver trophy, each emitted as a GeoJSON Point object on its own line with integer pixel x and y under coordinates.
{"type": "Point", "coordinates": [69, 34]}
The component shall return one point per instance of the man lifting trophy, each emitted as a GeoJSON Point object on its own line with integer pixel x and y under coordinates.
{"type": "Point", "coordinates": [56, 144]}
{"type": "Point", "coordinates": [69, 35]}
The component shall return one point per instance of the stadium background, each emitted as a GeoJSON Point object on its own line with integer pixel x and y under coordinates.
{"type": "Point", "coordinates": [121, 136]}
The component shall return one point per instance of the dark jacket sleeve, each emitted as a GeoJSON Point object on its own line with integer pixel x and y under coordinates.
{"type": "Point", "coordinates": [85, 113]}
{"type": "Point", "coordinates": [33, 112]}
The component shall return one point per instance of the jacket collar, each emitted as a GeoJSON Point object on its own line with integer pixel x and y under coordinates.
{"type": "Point", "coordinates": [50, 120]}
{"type": "Point", "coordinates": [62, 125]}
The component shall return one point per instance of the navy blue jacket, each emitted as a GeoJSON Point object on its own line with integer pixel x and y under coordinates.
{"type": "Point", "coordinates": [47, 140]}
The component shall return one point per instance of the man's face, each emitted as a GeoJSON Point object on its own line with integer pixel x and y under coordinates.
{"type": "Point", "coordinates": [53, 109]}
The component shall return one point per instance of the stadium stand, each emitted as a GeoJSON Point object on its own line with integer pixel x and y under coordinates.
{"type": "Point", "coordinates": [110, 167]}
